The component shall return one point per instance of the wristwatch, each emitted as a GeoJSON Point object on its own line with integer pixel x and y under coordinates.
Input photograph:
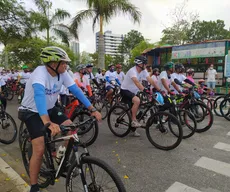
{"type": "Point", "coordinates": [93, 110]}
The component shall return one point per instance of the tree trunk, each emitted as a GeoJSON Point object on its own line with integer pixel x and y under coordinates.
{"type": "Point", "coordinates": [101, 46]}
{"type": "Point", "coordinates": [48, 36]}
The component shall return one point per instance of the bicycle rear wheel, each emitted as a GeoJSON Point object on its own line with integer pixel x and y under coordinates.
{"type": "Point", "coordinates": [98, 176]}
{"type": "Point", "coordinates": [217, 105]}
{"type": "Point", "coordinates": [164, 131]}
{"type": "Point", "coordinates": [8, 128]}
{"type": "Point", "coordinates": [119, 121]}
{"type": "Point", "coordinates": [102, 107]}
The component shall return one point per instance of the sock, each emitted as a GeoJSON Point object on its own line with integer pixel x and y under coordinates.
{"type": "Point", "coordinates": [34, 188]}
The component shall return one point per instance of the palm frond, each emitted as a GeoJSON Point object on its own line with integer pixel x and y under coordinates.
{"type": "Point", "coordinates": [62, 35]}
{"type": "Point", "coordinates": [125, 7]}
{"type": "Point", "coordinates": [42, 5]}
{"type": "Point", "coordinates": [59, 15]}
{"type": "Point", "coordinates": [80, 17]}
{"type": "Point", "coordinates": [68, 30]}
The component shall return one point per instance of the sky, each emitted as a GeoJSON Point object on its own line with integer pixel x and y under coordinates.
{"type": "Point", "coordinates": [156, 15]}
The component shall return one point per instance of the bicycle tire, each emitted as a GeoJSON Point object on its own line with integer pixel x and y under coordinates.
{"type": "Point", "coordinates": [22, 133]}
{"type": "Point", "coordinates": [104, 106]}
{"type": "Point", "coordinates": [9, 94]}
{"type": "Point", "coordinates": [206, 112]}
{"type": "Point", "coordinates": [93, 162]}
{"type": "Point", "coordinates": [217, 105]}
{"type": "Point", "coordinates": [84, 130]}
{"type": "Point", "coordinates": [207, 101]}
{"type": "Point", "coordinates": [15, 130]}
{"type": "Point", "coordinates": [154, 119]}
{"type": "Point", "coordinates": [113, 111]}
{"type": "Point", "coordinates": [26, 153]}
{"type": "Point", "coordinates": [222, 105]}
{"type": "Point", "coordinates": [192, 127]}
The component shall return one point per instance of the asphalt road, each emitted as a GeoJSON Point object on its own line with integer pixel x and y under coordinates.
{"type": "Point", "coordinates": [200, 163]}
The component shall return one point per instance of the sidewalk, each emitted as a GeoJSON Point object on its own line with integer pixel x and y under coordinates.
{"type": "Point", "coordinates": [10, 181]}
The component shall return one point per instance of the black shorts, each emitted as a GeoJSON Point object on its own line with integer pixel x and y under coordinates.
{"type": "Point", "coordinates": [34, 122]}
{"type": "Point", "coordinates": [127, 96]}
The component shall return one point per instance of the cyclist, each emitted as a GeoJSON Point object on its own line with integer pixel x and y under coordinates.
{"type": "Point", "coordinates": [132, 84]}
{"type": "Point", "coordinates": [120, 74]}
{"type": "Point", "coordinates": [190, 74]}
{"type": "Point", "coordinates": [38, 105]}
{"type": "Point", "coordinates": [89, 74]}
{"type": "Point", "coordinates": [23, 77]}
{"type": "Point", "coordinates": [165, 76]}
{"type": "Point", "coordinates": [155, 78]}
{"type": "Point", "coordinates": [2, 97]}
{"type": "Point", "coordinates": [111, 80]}
{"type": "Point", "coordinates": [82, 80]}
{"type": "Point", "coordinates": [178, 74]}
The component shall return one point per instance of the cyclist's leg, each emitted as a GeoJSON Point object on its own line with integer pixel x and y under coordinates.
{"type": "Point", "coordinates": [109, 93]}
{"type": "Point", "coordinates": [34, 125]}
{"type": "Point", "coordinates": [136, 103]}
{"type": "Point", "coordinates": [4, 101]}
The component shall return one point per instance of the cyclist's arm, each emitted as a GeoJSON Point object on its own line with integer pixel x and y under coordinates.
{"type": "Point", "coordinates": [76, 91]}
{"type": "Point", "coordinates": [137, 83]}
{"type": "Point", "coordinates": [175, 86]}
{"type": "Point", "coordinates": [118, 82]}
{"type": "Point", "coordinates": [165, 84]}
{"type": "Point", "coordinates": [153, 83]}
{"type": "Point", "coordinates": [40, 101]}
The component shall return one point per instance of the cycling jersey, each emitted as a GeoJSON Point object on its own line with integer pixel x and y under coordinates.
{"type": "Point", "coordinates": [128, 83]}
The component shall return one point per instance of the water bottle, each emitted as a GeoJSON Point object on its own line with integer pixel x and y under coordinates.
{"type": "Point", "coordinates": [60, 153]}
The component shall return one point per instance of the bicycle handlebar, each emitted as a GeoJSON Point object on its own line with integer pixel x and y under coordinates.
{"type": "Point", "coordinates": [71, 127]}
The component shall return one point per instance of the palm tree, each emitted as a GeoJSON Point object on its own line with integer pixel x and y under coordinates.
{"type": "Point", "coordinates": [44, 20]}
{"type": "Point", "coordinates": [102, 11]}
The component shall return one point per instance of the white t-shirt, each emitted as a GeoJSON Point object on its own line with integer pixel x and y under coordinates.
{"type": "Point", "coordinates": [98, 76]}
{"type": "Point", "coordinates": [14, 76]}
{"type": "Point", "coordinates": [2, 82]}
{"type": "Point", "coordinates": [24, 77]}
{"type": "Point", "coordinates": [112, 76]}
{"type": "Point", "coordinates": [120, 76]}
{"type": "Point", "coordinates": [180, 77]}
{"type": "Point", "coordinates": [84, 82]}
{"type": "Point", "coordinates": [128, 83]}
{"type": "Point", "coordinates": [155, 79]}
{"type": "Point", "coordinates": [164, 75]}
{"type": "Point", "coordinates": [211, 73]}
{"type": "Point", "coordinates": [51, 84]}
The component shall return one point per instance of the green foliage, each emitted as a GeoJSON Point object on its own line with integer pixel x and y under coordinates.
{"type": "Point", "coordinates": [45, 20]}
{"type": "Point", "coordinates": [102, 11]}
{"type": "Point", "coordinates": [28, 52]}
{"type": "Point", "coordinates": [14, 21]}
{"type": "Point", "coordinates": [94, 59]}
{"type": "Point", "coordinates": [130, 41]}
{"type": "Point", "coordinates": [207, 30]}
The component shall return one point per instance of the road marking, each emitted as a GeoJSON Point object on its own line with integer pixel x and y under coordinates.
{"type": "Point", "coordinates": [180, 187]}
{"type": "Point", "coordinates": [214, 165]}
{"type": "Point", "coordinates": [228, 133]}
{"type": "Point", "coordinates": [19, 183]}
{"type": "Point", "coordinates": [222, 146]}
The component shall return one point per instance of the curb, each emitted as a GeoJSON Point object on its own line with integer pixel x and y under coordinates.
{"type": "Point", "coordinates": [19, 183]}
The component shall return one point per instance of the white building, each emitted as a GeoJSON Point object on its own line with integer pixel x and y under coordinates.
{"type": "Point", "coordinates": [75, 47]}
{"type": "Point", "coordinates": [112, 42]}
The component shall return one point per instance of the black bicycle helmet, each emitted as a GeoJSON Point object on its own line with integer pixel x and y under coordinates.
{"type": "Point", "coordinates": [140, 60]}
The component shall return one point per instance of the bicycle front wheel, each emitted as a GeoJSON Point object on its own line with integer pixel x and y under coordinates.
{"type": "Point", "coordinates": [225, 108]}
{"type": "Point", "coordinates": [164, 131]}
{"type": "Point", "coordinates": [8, 128]}
{"type": "Point", "coordinates": [94, 175]}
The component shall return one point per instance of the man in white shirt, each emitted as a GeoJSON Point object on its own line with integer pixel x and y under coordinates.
{"type": "Point", "coordinates": [111, 80]}
{"type": "Point", "coordinates": [211, 77]}
{"type": "Point", "coordinates": [120, 74]}
{"type": "Point", "coordinates": [131, 85]}
{"type": "Point", "coordinates": [178, 74]}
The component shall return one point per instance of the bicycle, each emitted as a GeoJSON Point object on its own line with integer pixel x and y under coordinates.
{"type": "Point", "coordinates": [225, 108]}
{"type": "Point", "coordinates": [7, 122]}
{"type": "Point", "coordinates": [72, 164]}
{"type": "Point", "coordinates": [164, 124]}
{"type": "Point", "coordinates": [76, 113]}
